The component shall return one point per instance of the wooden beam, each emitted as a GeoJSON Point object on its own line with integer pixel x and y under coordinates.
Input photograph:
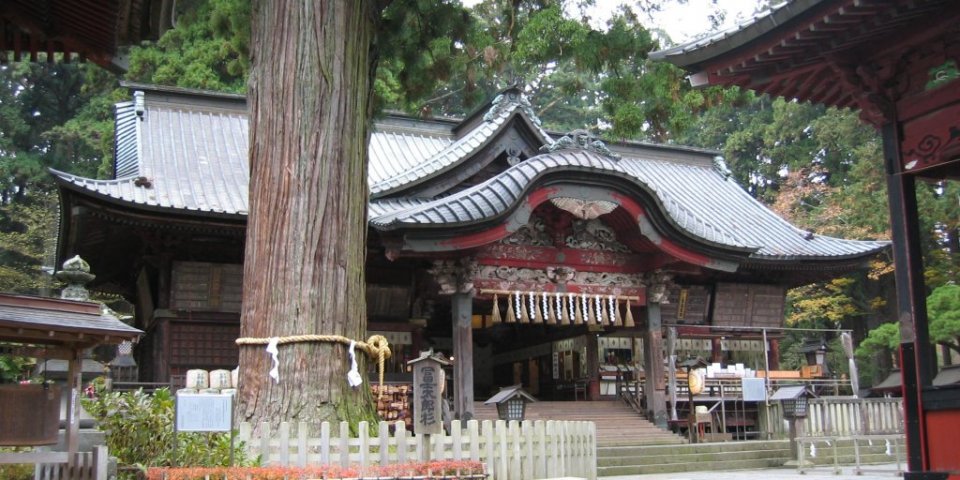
{"type": "Point", "coordinates": [36, 352]}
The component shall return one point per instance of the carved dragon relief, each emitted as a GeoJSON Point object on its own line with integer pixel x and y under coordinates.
{"type": "Point", "coordinates": [594, 235]}
{"type": "Point", "coordinates": [534, 233]}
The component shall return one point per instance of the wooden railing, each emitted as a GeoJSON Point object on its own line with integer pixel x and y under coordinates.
{"type": "Point", "coordinates": [509, 450]}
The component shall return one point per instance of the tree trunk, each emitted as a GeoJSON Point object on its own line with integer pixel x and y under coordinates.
{"type": "Point", "coordinates": [309, 102]}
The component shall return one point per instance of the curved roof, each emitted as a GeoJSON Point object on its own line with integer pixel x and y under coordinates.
{"type": "Point", "coordinates": [185, 153]}
{"type": "Point", "coordinates": [727, 217]}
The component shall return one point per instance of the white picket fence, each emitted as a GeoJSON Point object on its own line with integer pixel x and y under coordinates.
{"type": "Point", "coordinates": [831, 416]}
{"type": "Point", "coordinates": [854, 416]}
{"type": "Point", "coordinates": [509, 450]}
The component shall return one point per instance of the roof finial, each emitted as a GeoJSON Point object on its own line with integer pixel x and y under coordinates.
{"type": "Point", "coordinates": [511, 98]}
{"type": "Point", "coordinates": [581, 139]}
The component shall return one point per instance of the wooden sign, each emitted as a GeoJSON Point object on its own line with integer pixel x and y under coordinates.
{"type": "Point", "coordinates": [427, 407]}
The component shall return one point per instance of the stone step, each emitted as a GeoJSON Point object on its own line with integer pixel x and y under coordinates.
{"type": "Point", "coordinates": [616, 423]}
{"type": "Point", "coordinates": [732, 464]}
{"type": "Point", "coordinates": [698, 458]}
{"type": "Point", "coordinates": [639, 460]}
{"type": "Point", "coordinates": [658, 451]}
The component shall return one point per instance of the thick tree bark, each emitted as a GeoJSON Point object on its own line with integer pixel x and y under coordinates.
{"type": "Point", "coordinates": [309, 100]}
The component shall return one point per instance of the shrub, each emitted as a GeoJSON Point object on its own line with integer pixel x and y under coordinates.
{"type": "Point", "coordinates": [139, 432]}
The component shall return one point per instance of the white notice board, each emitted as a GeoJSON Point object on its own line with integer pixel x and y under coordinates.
{"type": "Point", "coordinates": [754, 389]}
{"type": "Point", "coordinates": [204, 412]}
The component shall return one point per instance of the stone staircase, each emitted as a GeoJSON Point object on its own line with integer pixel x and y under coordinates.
{"type": "Point", "coordinates": [617, 423]}
{"type": "Point", "coordinates": [640, 460]}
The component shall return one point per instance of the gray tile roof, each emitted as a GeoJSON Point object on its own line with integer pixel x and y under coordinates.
{"type": "Point", "coordinates": [393, 166]}
{"type": "Point", "coordinates": [190, 157]}
{"type": "Point", "coordinates": [697, 199]}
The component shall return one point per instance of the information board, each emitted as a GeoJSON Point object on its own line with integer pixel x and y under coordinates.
{"type": "Point", "coordinates": [204, 412]}
{"type": "Point", "coordinates": [754, 390]}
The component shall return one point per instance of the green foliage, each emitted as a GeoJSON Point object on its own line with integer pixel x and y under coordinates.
{"type": "Point", "coordinates": [48, 119]}
{"type": "Point", "coordinates": [16, 471]}
{"type": "Point", "coordinates": [207, 49]}
{"type": "Point", "coordinates": [27, 233]}
{"type": "Point", "coordinates": [14, 369]}
{"type": "Point", "coordinates": [943, 312]}
{"type": "Point", "coordinates": [139, 432]}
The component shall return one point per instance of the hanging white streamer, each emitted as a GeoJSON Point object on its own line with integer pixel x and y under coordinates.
{"type": "Point", "coordinates": [517, 301]}
{"type": "Point", "coordinates": [599, 308]}
{"type": "Point", "coordinates": [353, 376]}
{"type": "Point", "coordinates": [274, 351]}
{"type": "Point", "coordinates": [559, 307]}
{"type": "Point", "coordinates": [889, 450]}
{"type": "Point", "coordinates": [573, 308]}
{"type": "Point", "coordinates": [533, 307]}
{"type": "Point", "coordinates": [546, 306]}
{"type": "Point", "coordinates": [611, 308]}
{"type": "Point", "coordinates": [813, 451]}
{"type": "Point", "coordinates": [585, 307]}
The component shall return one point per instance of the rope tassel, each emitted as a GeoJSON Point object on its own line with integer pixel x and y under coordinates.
{"type": "Point", "coordinates": [511, 316]}
{"type": "Point", "coordinates": [535, 314]}
{"type": "Point", "coordinates": [628, 317]}
{"type": "Point", "coordinates": [524, 316]}
{"type": "Point", "coordinates": [495, 315]}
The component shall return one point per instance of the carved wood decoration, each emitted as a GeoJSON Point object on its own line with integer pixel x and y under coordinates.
{"type": "Point", "coordinates": [931, 133]}
{"type": "Point", "coordinates": [557, 252]}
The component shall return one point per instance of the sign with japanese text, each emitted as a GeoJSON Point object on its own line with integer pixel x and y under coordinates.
{"type": "Point", "coordinates": [427, 411]}
{"type": "Point", "coordinates": [204, 412]}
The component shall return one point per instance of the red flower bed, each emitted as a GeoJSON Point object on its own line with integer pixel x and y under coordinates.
{"type": "Point", "coordinates": [447, 469]}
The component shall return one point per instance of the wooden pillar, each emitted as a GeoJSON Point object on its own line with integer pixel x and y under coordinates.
{"type": "Point", "coordinates": [654, 388]}
{"type": "Point", "coordinates": [916, 368]}
{"type": "Point", "coordinates": [593, 366]}
{"type": "Point", "coordinates": [462, 308]}
{"type": "Point", "coordinates": [773, 354]}
{"type": "Point", "coordinates": [716, 350]}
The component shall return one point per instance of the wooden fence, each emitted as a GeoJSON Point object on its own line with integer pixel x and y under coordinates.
{"type": "Point", "coordinates": [833, 417]}
{"type": "Point", "coordinates": [60, 465]}
{"type": "Point", "coordinates": [509, 450]}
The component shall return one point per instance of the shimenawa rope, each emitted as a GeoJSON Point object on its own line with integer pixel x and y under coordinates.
{"type": "Point", "coordinates": [375, 347]}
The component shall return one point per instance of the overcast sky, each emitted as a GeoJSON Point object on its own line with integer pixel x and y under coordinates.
{"type": "Point", "coordinates": [680, 22]}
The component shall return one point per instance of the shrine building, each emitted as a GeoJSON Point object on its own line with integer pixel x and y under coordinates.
{"type": "Point", "coordinates": [529, 257]}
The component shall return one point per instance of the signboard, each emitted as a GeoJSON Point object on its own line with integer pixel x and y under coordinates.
{"type": "Point", "coordinates": [427, 411]}
{"type": "Point", "coordinates": [754, 389]}
{"type": "Point", "coordinates": [556, 365]}
{"type": "Point", "coordinates": [204, 412]}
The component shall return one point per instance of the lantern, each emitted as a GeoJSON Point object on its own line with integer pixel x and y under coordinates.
{"type": "Point", "coordinates": [793, 400]}
{"type": "Point", "coordinates": [511, 402]}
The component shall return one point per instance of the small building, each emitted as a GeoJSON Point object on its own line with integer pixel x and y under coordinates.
{"type": "Point", "coordinates": [534, 257]}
